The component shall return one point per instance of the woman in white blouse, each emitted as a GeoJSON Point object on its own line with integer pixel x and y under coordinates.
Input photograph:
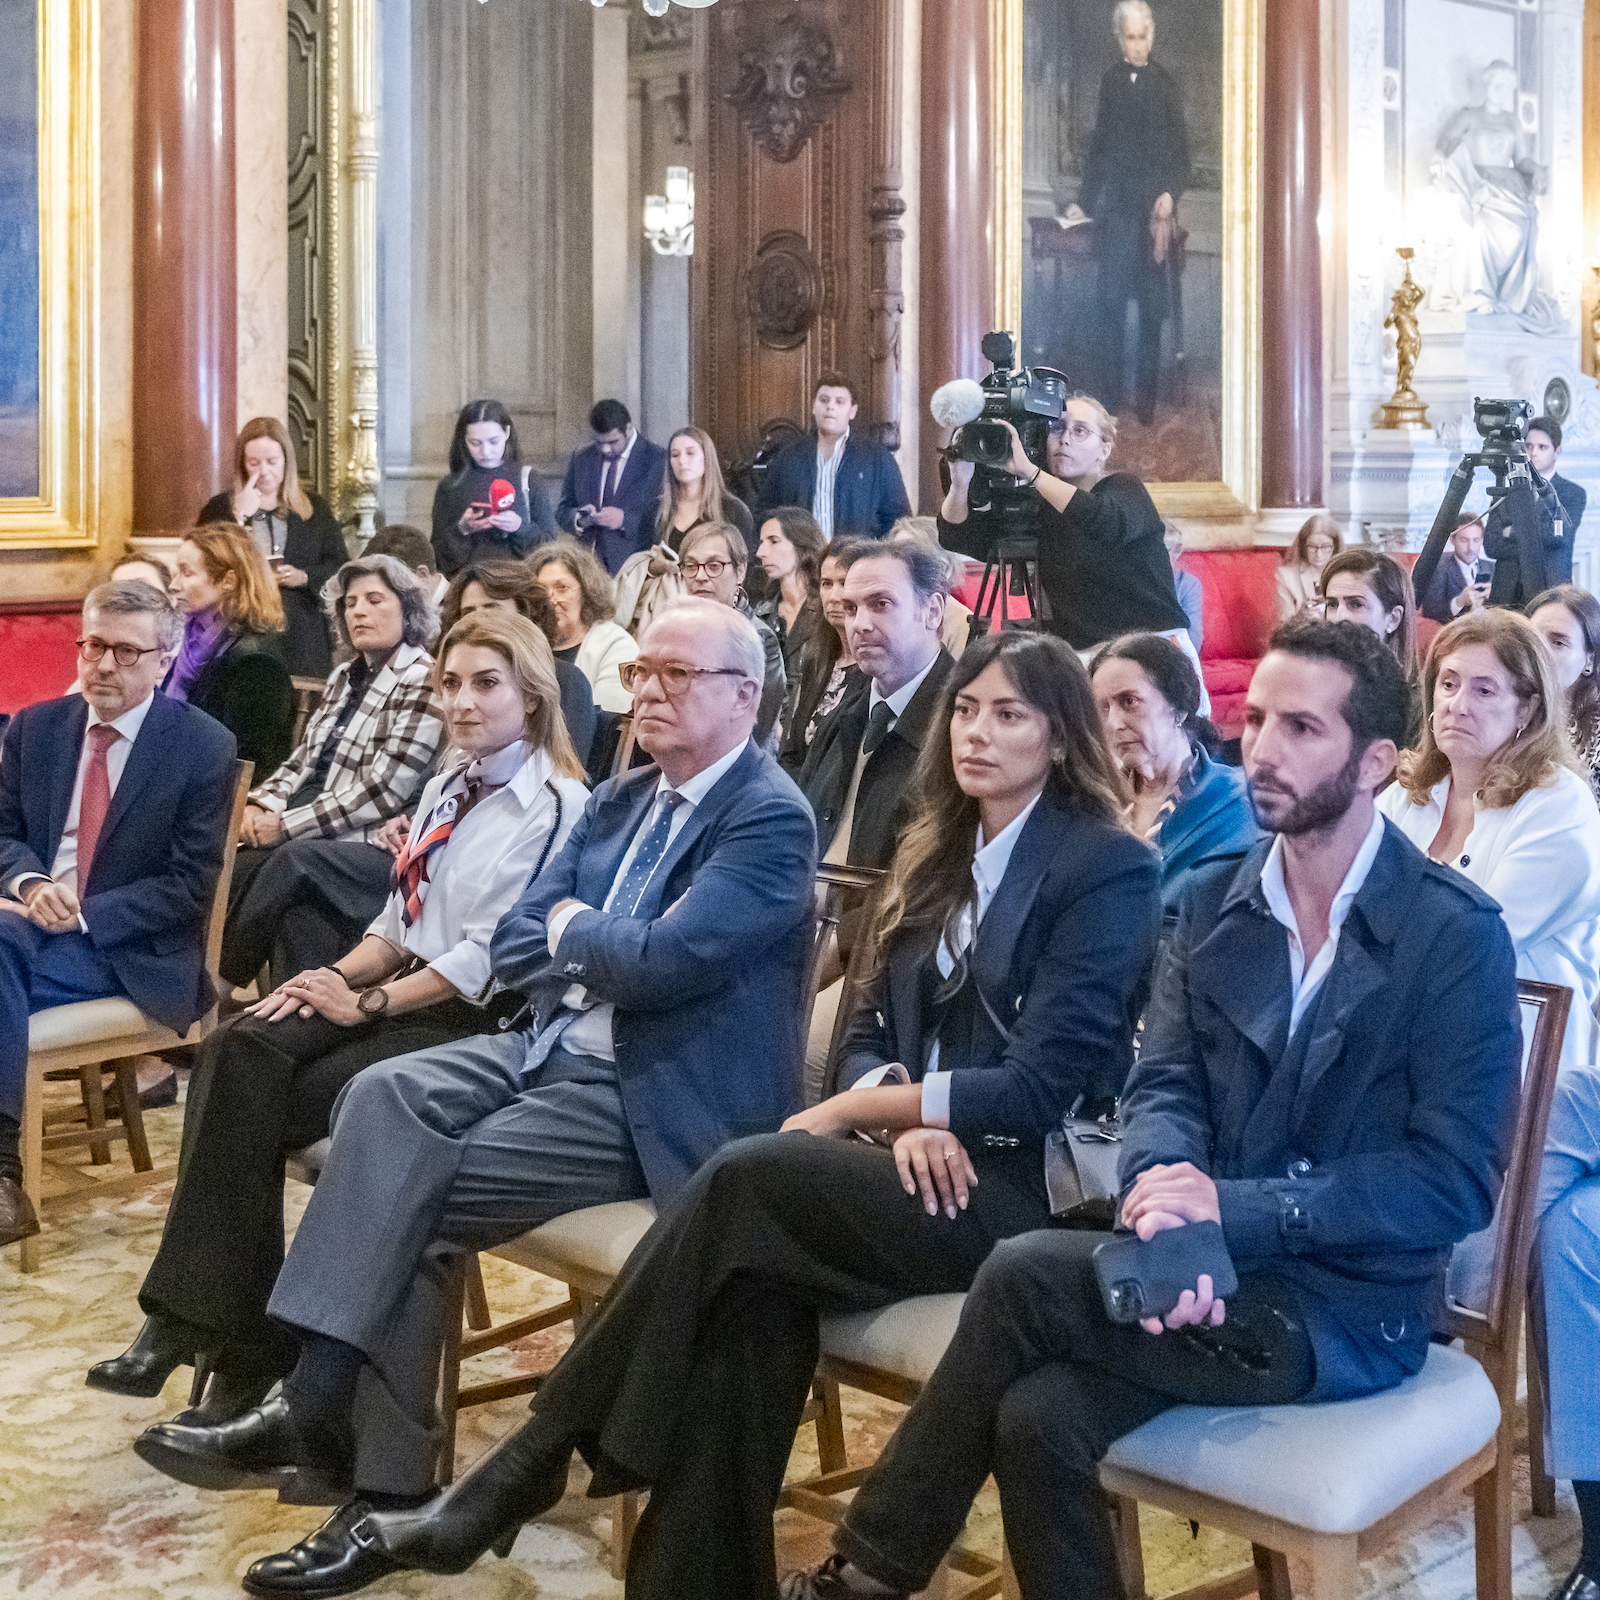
{"type": "Point", "coordinates": [506, 797]}
{"type": "Point", "coordinates": [1493, 789]}
{"type": "Point", "coordinates": [580, 589]}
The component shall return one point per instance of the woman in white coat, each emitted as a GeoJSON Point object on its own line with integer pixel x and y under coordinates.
{"type": "Point", "coordinates": [1493, 789]}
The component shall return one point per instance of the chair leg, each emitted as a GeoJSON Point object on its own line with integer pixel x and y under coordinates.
{"type": "Point", "coordinates": [94, 1105]}
{"type": "Point", "coordinates": [1491, 1516]}
{"type": "Point", "coordinates": [1334, 1567]}
{"type": "Point", "coordinates": [830, 1425]}
{"type": "Point", "coordinates": [32, 1154]}
{"type": "Point", "coordinates": [624, 1522]}
{"type": "Point", "coordinates": [1541, 1483]}
{"type": "Point", "coordinates": [450, 1368]}
{"type": "Point", "coordinates": [1130, 1549]}
{"type": "Point", "coordinates": [1272, 1574]}
{"type": "Point", "coordinates": [133, 1112]}
{"type": "Point", "coordinates": [478, 1318]}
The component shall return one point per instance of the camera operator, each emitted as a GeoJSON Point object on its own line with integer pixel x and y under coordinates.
{"type": "Point", "coordinates": [1561, 507]}
{"type": "Point", "coordinates": [1102, 546]}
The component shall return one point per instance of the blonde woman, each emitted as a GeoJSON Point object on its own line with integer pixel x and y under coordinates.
{"type": "Point", "coordinates": [230, 664]}
{"type": "Point", "coordinates": [505, 799]}
{"type": "Point", "coordinates": [1299, 574]}
{"type": "Point", "coordinates": [1494, 791]}
{"type": "Point", "coordinates": [298, 536]}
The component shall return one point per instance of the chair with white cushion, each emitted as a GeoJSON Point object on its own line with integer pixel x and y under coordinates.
{"type": "Point", "coordinates": [92, 1036]}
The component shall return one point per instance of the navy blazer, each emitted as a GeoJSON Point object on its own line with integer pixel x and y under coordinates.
{"type": "Point", "coordinates": [1447, 583]}
{"type": "Point", "coordinates": [639, 495]}
{"type": "Point", "coordinates": [1398, 1130]}
{"type": "Point", "coordinates": [869, 495]}
{"type": "Point", "coordinates": [155, 869]}
{"type": "Point", "coordinates": [710, 986]}
{"type": "Point", "coordinates": [1551, 563]}
{"type": "Point", "coordinates": [1062, 959]}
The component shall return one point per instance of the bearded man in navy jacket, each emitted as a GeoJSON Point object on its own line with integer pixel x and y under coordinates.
{"type": "Point", "coordinates": [114, 806]}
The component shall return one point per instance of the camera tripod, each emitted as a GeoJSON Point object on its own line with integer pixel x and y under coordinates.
{"type": "Point", "coordinates": [1012, 568]}
{"type": "Point", "coordinates": [1514, 483]}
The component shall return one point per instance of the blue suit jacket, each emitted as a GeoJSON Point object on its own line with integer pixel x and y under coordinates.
{"type": "Point", "coordinates": [1062, 957]}
{"type": "Point", "coordinates": [1396, 1132]}
{"type": "Point", "coordinates": [869, 496]}
{"type": "Point", "coordinates": [710, 985]}
{"type": "Point", "coordinates": [155, 868]}
{"type": "Point", "coordinates": [1211, 820]}
{"type": "Point", "coordinates": [639, 495]}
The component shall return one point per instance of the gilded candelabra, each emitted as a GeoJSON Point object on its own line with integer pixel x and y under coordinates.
{"type": "Point", "coordinates": [1403, 409]}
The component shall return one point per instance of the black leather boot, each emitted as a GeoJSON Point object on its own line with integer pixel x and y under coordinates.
{"type": "Point", "coordinates": [164, 1344]}
{"type": "Point", "coordinates": [517, 1481]}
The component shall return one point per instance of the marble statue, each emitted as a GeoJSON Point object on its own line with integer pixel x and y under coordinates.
{"type": "Point", "coordinates": [1485, 170]}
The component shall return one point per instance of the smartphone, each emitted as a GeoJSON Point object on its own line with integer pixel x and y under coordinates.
{"type": "Point", "coordinates": [1141, 1278]}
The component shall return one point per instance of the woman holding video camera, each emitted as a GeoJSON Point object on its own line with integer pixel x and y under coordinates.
{"type": "Point", "coordinates": [1103, 560]}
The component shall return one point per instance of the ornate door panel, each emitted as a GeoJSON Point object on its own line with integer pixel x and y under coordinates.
{"type": "Point", "coordinates": [308, 398]}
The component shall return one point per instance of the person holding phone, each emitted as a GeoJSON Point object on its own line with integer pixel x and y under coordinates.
{"type": "Point", "coordinates": [490, 507]}
{"type": "Point", "coordinates": [297, 534]}
{"type": "Point", "coordinates": [1461, 584]}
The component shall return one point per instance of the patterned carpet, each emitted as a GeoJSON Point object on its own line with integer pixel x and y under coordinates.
{"type": "Point", "coordinates": [82, 1517]}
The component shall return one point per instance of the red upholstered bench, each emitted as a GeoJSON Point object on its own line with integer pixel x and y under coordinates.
{"type": "Point", "coordinates": [1239, 599]}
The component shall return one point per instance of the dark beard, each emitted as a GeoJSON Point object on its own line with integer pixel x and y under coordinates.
{"type": "Point", "coordinates": [1322, 807]}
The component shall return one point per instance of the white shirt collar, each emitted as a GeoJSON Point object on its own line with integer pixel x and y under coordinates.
{"type": "Point", "coordinates": [990, 861]}
{"type": "Point", "coordinates": [838, 449]}
{"type": "Point", "coordinates": [1304, 981]}
{"type": "Point", "coordinates": [131, 720]}
{"type": "Point", "coordinates": [901, 698]}
{"type": "Point", "coordinates": [695, 789]}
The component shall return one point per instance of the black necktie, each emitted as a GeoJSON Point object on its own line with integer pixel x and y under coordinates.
{"type": "Point", "coordinates": [877, 727]}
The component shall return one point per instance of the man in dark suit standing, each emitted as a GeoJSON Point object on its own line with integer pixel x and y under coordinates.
{"type": "Point", "coordinates": [1461, 583]}
{"type": "Point", "coordinates": [612, 490]}
{"type": "Point", "coordinates": [1135, 174]}
{"type": "Point", "coordinates": [114, 804]}
{"type": "Point", "coordinates": [857, 773]}
{"type": "Point", "coordinates": [1519, 575]}
{"type": "Point", "coordinates": [675, 923]}
{"type": "Point", "coordinates": [850, 484]}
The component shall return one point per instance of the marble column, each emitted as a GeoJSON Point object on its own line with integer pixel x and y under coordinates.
{"type": "Point", "coordinates": [1291, 258]}
{"type": "Point", "coordinates": [185, 341]}
{"type": "Point", "coordinates": [956, 288]}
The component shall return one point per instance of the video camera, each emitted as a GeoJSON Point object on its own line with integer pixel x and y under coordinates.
{"type": "Point", "coordinates": [1503, 427]}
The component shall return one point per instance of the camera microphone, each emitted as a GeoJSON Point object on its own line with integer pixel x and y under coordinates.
{"type": "Point", "coordinates": [956, 403]}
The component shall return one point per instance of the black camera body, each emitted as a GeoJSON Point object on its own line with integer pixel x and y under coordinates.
{"type": "Point", "coordinates": [1030, 399]}
{"type": "Point", "coordinates": [1503, 427]}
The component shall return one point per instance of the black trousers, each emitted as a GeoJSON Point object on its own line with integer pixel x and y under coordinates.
{"type": "Point", "coordinates": [1036, 1386]}
{"type": "Point", "coordinates": [692, 1377]}
{"type": "Point", "coordinates": [300, 905]}
{"type": "Point", "coordinates": [261, 1089]}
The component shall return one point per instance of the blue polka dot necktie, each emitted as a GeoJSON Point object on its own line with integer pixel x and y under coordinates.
{"type": "Point", "coordinates": [630, 892]}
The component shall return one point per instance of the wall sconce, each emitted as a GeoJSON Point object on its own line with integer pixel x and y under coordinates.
{"type": "Point", "coordinates": [669, 218]}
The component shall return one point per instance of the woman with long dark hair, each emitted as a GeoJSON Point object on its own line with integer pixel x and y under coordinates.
{"type": "Point", "coordinates": [489, 504]}
{"type": "Point", "coordinates": [825, 664]}
{"type": "Point", "coordinates": [1567, 618]}
{"type": "Point", "coordinates": [1372, 590]}
{"type": "Point", "coordinates": [1008, 954]}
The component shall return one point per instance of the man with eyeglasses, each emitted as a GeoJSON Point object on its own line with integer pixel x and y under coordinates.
{"type": "Point", "coordinates": [1103, 561]}
{"type": "Point", "coordinates": [663, 954]}
{"type": "Point", "coordinates": [114, 807]}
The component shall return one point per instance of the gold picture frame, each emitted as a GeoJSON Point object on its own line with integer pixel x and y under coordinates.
{"type": "Point", "coordinates": [1237, 492]}
{"type": "Point", "coordinates": [65, 514]}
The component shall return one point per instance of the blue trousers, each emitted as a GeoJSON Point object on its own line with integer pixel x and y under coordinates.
{"type": "Point", "coordinates": [39, 970]}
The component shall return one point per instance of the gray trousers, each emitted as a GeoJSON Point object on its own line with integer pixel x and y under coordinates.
{"type": "Point", "coordinates": [449, 1149]}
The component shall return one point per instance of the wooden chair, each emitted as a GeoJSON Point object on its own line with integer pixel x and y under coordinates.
{"type": "Point", "coordinates": [623, 759]}
{"type": "Point", "coordinates": [1332, 1484]}
{"type": "Point", "coordinates": [93, 1037]}
{"type": "Point", "coordinates": [308, 694]}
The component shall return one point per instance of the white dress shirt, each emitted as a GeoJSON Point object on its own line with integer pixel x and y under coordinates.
{"type": "Point", "coordinates": [611, 471]}
{"type": "Point", "coordinates": [822, 490]}
{"type": "Point", "coordinates": [989, 863]}
{"type": "Point", "coordinates": [1304, 981]}
{"type": "Point", "coordinates": [64, 869]}
{"type": "Point", "coordinates": [590, 1035]}
{"type": "Point", "coordinates": [838, 852]}
{"type": "Point", "coordinates": [479, 871]}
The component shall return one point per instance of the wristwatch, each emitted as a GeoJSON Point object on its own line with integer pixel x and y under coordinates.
{"type": "Point", "coordinates": [378, 993]}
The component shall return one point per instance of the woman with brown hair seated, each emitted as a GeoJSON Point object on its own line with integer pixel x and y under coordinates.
{"type": "Point", "coordinates": [230, 664]}
{"type": "Point", "coordinates": [505, 800]}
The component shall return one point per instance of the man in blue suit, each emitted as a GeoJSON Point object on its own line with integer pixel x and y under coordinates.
{"type": "Point", "coordinates": [612, 490]}
{"type": "Point", "coordinates": [849, 484]}
{"type": "Point", "coordinates": [663, 955]}
{"type": "Point", "coordinates": [114, 804]}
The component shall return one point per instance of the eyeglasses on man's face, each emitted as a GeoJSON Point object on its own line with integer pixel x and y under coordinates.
{"type": "Point", "coordinates": [675, 677]}
{"type": "Point", "coordinates": [712, 568]}
{"type": "Point", "coordinates": [125, 655]}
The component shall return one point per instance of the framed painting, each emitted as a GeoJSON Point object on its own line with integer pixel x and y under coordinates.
{"type": "Point", "coordinates": [49, 205]}
{"type": "Point", "coordinates": [1128, 242]}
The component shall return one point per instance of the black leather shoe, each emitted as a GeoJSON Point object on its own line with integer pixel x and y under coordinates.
{"type": "Point", "coordinates": [517, 1481]}
{"type": "Point", "coordinates": [164, 1344]}
{"type": "Point", "coordinates": [827, 1583]}
{"type": "Point", "coordinates": [255, 1451]}
{"type": "Point", "coordinates": [1580, 1586]}
{"type": "Point", "coordinates": [339, 1558]}
{"type": "Point", "coordinates": [18, 1220]}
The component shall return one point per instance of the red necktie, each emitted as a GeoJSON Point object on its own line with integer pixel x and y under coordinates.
{"type": "Point", "coordinates": [95, 800]}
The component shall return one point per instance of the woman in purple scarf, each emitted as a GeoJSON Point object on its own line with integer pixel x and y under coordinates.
{"type": "Point", "coordinates": [230, 664]}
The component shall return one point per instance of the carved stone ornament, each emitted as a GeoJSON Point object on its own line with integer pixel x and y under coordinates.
{"type": "Point", "coordinates": [783, 291]}
{"type": "Point", "coordinates": [788, 75]}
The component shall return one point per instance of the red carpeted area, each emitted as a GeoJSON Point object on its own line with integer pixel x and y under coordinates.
{"type": "Point", "coordinates": [38, 656]}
